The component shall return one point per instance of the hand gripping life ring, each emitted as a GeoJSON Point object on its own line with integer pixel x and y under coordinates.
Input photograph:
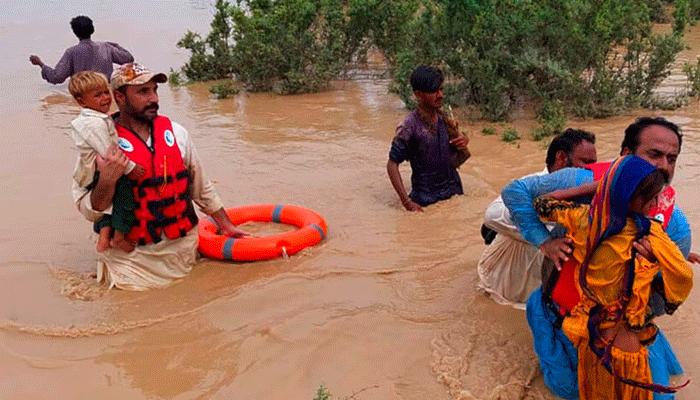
{"type": "Point", "coordinates": [312, 229]}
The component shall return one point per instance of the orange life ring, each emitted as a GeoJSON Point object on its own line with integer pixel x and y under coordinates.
{"type": "Point", "coordinates": [312, 229]}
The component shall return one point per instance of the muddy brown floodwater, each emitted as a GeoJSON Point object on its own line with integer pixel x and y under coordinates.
{"type": "Point", "coordinates": [384, 308]}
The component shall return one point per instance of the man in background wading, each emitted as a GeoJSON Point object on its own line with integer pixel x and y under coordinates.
{"type": "Point", "coordinates": [85, 56]}
{"type": "Point", "coordinates": [431, 142]}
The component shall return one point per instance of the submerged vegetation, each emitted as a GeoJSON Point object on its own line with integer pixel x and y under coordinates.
{"type": "Point", "coordinates": [589, 58]}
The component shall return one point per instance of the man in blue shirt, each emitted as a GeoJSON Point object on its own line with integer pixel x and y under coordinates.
{"type": "Point", "coordinates": [510, 268]}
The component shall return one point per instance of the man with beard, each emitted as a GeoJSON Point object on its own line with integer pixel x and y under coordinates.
{"type": "Point", "coordinates": [655, 140]}
{"type": "Point", "coordinates": [509, 268]}
{"type": "Point", "coordinates": [165, 231]}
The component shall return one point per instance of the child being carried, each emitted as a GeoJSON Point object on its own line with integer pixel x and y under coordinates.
{"type": "Point", "coordinates": [93, 133]}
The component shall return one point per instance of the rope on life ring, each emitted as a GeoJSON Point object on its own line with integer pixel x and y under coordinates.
{"type": "Point", "coordinates": [312, 229]}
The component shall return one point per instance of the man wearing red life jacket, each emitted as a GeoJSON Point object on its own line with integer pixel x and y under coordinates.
{"type": "Point", "coordinates": [165, 231]}
{"type": "Point", "coordinates": [656, 140]}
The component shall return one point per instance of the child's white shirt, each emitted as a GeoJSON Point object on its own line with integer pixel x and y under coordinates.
{"type": "Point", "coordinates": [93, 132]}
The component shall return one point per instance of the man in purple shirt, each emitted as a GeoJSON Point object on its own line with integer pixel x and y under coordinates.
{"type": "Point", "coordinates": [85, 56]}
{"type": "Point", "coordinates": [423, 139]}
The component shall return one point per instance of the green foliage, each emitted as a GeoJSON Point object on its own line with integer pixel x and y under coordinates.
{"type": "Point", "coordinates": [488, 130]}
{"type": "Point", "coordinates": [681, 16]}
{"type": "Point", "coordinates": [401, 83]}
{"type": "Point", "coordinates": [288, 46]}
{"type": "Point", "coordinates": [322, 393]}
{"type": "Point", "coordinates": [510, 135]}
{"type": "Point", "coordinates": [381, 24]}
{"type": "Point", "coordinates": [174, 78]}
{"type": "Point", "coordinates": [657, 10]}
{"type": "Point", "coordinates": [540, 133]}
{"type": "Point", "coordinates": [223, 90]}
{"type": "Point", "coordinates": [552, 117]}
{"type": "Point", "coordinates": [599, 56]}
{"type": "Point", "coordinates": [693, 74]}
{"type": "Point", "coordinates": [694, 9]}
{"type": "Point", "coordinates": [669, 102]}
{"type": "Point", "coordinates": [210, 58]}
{"type": "Point", "coordinates": [596, 58]}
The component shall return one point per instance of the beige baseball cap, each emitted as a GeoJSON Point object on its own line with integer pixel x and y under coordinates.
{"type": "Point", "coordinates": [134, 74]}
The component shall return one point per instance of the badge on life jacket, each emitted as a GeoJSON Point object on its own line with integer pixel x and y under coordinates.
{"type": "Point", "coordinates": [125, 145]}
{"type": "Point", "coordinates": [169, 138]}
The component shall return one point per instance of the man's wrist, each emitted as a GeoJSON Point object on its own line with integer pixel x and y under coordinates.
{"type": "Point", "coordinates": [539, 240]}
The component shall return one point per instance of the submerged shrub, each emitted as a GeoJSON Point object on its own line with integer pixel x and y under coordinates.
{"type": "Point", "coordinates": [692, 72]}
{"type": "Point", "coordinates": [510, 135]}
{"type": "Point", "coordinates": [291, 46]}
{"type": "Point", "coordinates": [174, 78]}
{"type": "Point", "coordinates": [540, 133]}
{"type": "Point", "coordinates": [488, 130]}
{"type": "Point", "coordinates": [552, 117]}
{"type": "Point", "coordinates": [598, 57]}
{"type": "Point", "coordinates": [223, 90]}
{"type": "Point", "coordinates": [211, 57]}
{"type": "Point", "coordinates": [322, 393]}
{"type": "Point", "coordinates": [595, 57]}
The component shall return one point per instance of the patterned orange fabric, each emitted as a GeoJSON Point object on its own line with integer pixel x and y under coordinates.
{"type": "Point", "coordinates": [604, 279]}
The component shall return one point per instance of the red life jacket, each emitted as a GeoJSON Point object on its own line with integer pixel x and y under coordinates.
{"type": "Point", "coordinates": [163, 203]}
{"type": "Point", "coordinates": [564, 294]}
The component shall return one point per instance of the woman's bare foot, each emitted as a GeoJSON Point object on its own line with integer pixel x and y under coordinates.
{"type": "Point", "coordinates": [119, 242]}
{"type": "Point", "coordinates": [103, 242]}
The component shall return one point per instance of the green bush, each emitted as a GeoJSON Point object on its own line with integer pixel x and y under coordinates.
{"type": "Point", "coordinates": [601, 57]}
{"type": "Point", "coordinates": [223, 90]}
{"type": "Point", "coordinates": [212, 57]}
{"type": "Point", "coordinates": [692, 72]}
{"type": "Point", "coordinates": [597, 58]}
{"type": "Point", "coordinates": [694, 9]}
{"type": "Point", "coordinates": [540, 133]}
{"type": "Point", "coordinates": [510, 135]}
{"type": "Point", "coordinates": [174, 78]}
{"type": "Point", "coordinates": [322, 393]}
{"type": "Point", "coordinates": [552, 117]}
{"type": "Point", "coordinates": [488, 130]}
{"type": "Point", "coordinates": [289, 46]}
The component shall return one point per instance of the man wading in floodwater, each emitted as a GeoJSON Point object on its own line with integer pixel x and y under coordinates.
{"type": "Point", "coordinates": [85, 56]}
{"type": "Point", "coordinates": [657, 141]}
{"type": "Point", "coordinates": [510, 267]}
{"type": "Point", "coordinates": [431, 143]}
{"type": "Point", "coordinates": [165, 231]}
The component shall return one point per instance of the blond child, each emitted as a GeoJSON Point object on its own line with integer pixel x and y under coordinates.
{"type": "Point", "coordinates": [93, 132]}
